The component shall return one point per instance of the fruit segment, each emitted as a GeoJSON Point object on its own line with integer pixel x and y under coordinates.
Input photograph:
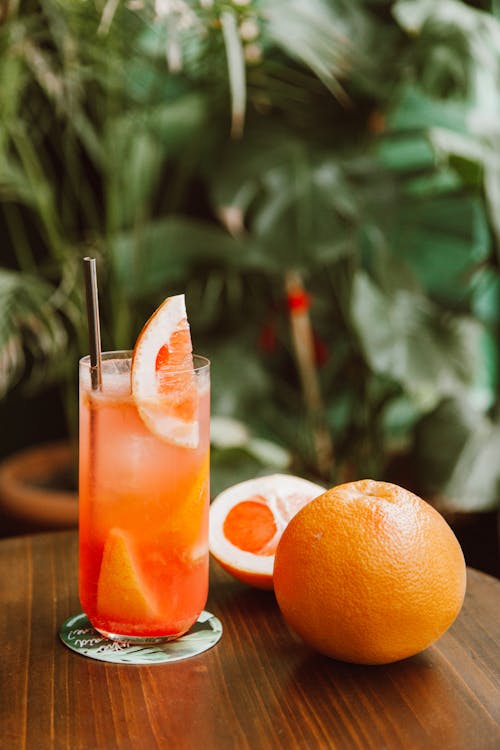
{"type": "Point", "coordinates": [187, 522]}
{"type": "Point", "coordinates": [163, 378]}
{"type": "Point", "coordinates": [121, 595]}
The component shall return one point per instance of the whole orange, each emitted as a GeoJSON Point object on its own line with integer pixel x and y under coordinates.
{"type": "Point", "coordinates": [369, 573]}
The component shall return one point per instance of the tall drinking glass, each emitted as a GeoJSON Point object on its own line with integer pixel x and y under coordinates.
{"type": "Point", "coordinates": [143, 566]}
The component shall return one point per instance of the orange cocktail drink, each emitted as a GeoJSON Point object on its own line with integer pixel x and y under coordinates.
{"type": "Point", "coordinates": [144, 498]}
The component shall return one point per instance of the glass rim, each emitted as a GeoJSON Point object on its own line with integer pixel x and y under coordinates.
{"type": "Point", "coordinates": [201, 363]}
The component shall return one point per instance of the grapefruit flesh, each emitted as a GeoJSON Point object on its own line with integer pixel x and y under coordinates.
{"type": "Point", "coordinates": [163, 379]}
{"type": "Point", "coordinates": [121, 595]}
{"type": "Point", "coordinates": [247, 520]}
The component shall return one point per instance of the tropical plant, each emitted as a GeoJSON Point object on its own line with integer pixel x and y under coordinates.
{"type": "Point", "coordinates": [322, 179]}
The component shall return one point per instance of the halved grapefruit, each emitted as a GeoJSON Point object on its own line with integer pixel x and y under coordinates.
{"type": "Point", "coordinates": [163, 377]}
{"type": "Point", "coordinates": [247, 520]}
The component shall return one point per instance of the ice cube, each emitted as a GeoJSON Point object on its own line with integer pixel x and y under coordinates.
{"type": "Point", "coordinates": [116, 366]}
{"type": "Point", "coordinates": [116, 375]}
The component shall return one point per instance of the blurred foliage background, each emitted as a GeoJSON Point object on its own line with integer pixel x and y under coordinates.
{"type": "Point", "coordinates": [322, 179]}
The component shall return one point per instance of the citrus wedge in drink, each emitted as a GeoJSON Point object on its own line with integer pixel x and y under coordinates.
{"type": "Point", "coordinates": [163, 378]}
{"type": "Point", "coordinates": [121, 594]}
{"type": "Point", "coordinates": [185, 521]}
{"type": "Point", "coordinates": [248, 519]}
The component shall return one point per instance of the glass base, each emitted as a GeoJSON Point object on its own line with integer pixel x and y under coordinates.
{"type": "Point", "coordinates": [139, 639]}
{"type": "Point", "coordinates": [78, 634]}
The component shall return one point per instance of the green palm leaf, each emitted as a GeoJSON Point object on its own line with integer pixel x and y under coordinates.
{"type": "Point", "coordinates": [30, 327]}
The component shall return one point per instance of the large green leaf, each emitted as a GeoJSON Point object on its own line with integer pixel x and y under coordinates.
{"type": "Point", "coordinates": [297, 202]}
{"type": "Point", "coordinates": [442, 181]}
{"type": "Point", "coordinates": [456, 450]}
{"type": "Point", "coordinates": [413, 109]}
{"type": "Point", "coordinates": [405, 153]}
{"type": "Point", "coordinates": [243, 164]}
{"type": "Point", "coordinates": [474, 483]}
{"type": "Point", "coordinates": [412, 15]}
{"type": "Point", "coordinates": [443, 240]}
{"type": "Point", "coordinates": [461, 46]}
{"type": "Point", "coordinates": [475, 158]}
{"type": "Point", "coordinates": [485, 295]}
{"type": "Point", "coordinates": [406, 339]}
{"type": "Point", "coordinates": [492, 190]}
{"type": "Point", "coordinates": [162, 253]}
{"type": "Point", "coordinates": [405, 145]}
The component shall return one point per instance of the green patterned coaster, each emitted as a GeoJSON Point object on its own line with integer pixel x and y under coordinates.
{"type": "Point", "coordinates": [78, 634]}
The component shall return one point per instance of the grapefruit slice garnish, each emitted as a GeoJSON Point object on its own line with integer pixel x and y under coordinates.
{"type": "Point", "coordinates": [163, 378]}
{"type": "Point", "coordinates": [248, 519]}
{"type": "Point", "coordinates": [121, 595]}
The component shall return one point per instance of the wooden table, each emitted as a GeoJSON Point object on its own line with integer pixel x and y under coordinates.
{"type": "Point", "coordinates": [259, 687]}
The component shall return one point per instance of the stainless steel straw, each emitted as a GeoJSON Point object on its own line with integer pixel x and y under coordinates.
{"type": "Point", "coordinates": [92, 297]}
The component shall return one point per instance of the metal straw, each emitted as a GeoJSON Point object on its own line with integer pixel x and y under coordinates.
{"type": "Point", "coordinates": [91, 294]}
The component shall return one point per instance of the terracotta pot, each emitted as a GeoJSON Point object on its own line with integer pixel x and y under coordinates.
{"type": "Point", "coordinates": [31, 489]}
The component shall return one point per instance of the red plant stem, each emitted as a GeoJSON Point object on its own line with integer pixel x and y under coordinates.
{"type": "Point", "coordinates": [303, 345]}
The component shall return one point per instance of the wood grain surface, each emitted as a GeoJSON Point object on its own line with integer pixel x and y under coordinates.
{"type": "Point", "coordinates": [258, 688]}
